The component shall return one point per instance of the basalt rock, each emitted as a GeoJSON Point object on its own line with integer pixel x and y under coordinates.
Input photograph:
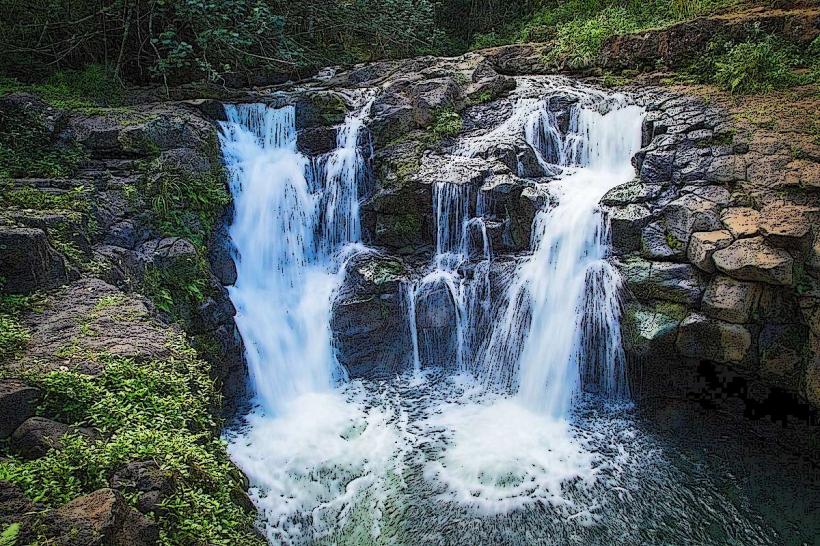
{"type": "Point", "coordinates": [730, 300]}
{"type": "Point", "coordinates": [18, 401]}
{"type": "Point", "coordinates": [37, 435]}
{"type": "Point", "coordinates": [754, 260]}
{"type": "Point", "coordinates": [150, 484]}
{"type": "Point", "coordinates": [367, 318]}
{"type": "Point", "coordinates": [704, 244]}
{"type": "Point", "coordinates": [710, 339]}
{"type": "Point", "coordinates": [29, 262]}
{"type": "Point", "coordinates": [103, 518]}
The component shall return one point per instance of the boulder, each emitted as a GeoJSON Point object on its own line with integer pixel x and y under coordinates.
{"type": "Point", "coordinates": [436, 319]}
{"type": "Point", "coordinates": [631, 192]}
{"type": "Point", "coordinates": [429, 96]}
{"type": "Point", "coordinates": [18, 400]}
{"type": "Point", "coordinates": [167, 252]}
{"type": "Point", "coordinates": [103, 518]}
{"type": "Point", "coordinates": [37, 435]}
{"type": "Point", "coordinates": [320, 108]}
{"type": "Point", "coordinates": [28, 262]}
{"type": "Point", "coordinates": [14, 504]}
{"type": "Point", "coordinates": [658, 245]}
{"type": "Point", "coordinates": [710, 339]}
{"type": "Point", "coordinates": [648, 329]}
{"type": "Point", "coordinates": [77, 314]}
{"type": "Point", "coordinates": [754, 260]}
{"type": "Point", "coordinates": [787, 226]}
{"type": "Point", "coordinates": [717, 194]}
{"type": "Point", "coordinates": [741, 221]}
{"type": "Point", "coordinates": [703, 245]}
{"type": "Point", "coordinates": [126, 233]}
{"type": "Point", "coordinates": [147, 482]}
{"type": "Point", "coordinates": [626, 224]}
{"type": "Point", "coordinates": [782, 348]}
{"type": "Point", "coordinates": [390, 117]}
{"type": "Point", "coordinates": [729, 299]}
{"type": "Point", "coordinates": [221, 253]}
{"type": "Point", "coordinates": [677, 283]}
{"type": "Point", "coordinates": [368, 320]}
{"type": "Point", "coordinates": [691, 213]}
{"type": "Point", "coordinates": [451, 169]}
{"type": "Point", "coordinates": [315, 141]}
{"type": "Point", "coordinates": [503, 196]}
{"type": "Point", "coordinates": [656, 167]}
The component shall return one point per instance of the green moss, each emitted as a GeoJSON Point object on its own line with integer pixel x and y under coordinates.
{"type": "Point", "coordinates": [382, 271]}
{"type": "Point", "coordinates": [406, 226]}
{"type": "Point", "coordinates": [673, 242]}
{"type": "Point", "coordinates": [610, 80]}
{"type": "Point", "coordinates": [676, 311]}
{"type": "Point", "coordinates": [26, 197]}
{"type": "Point", "coordinates": [447, 123]}
{"type": "Point", "coordinates": [331, 108]}
{"type": "Point", "coordinates": [29, 150]}
{"type": "Point", "coordinates": [720, 139]}
{"type": "Point", "coordinates": [161, 411]}
{"type": "Point", "coordinates": [92, 87]}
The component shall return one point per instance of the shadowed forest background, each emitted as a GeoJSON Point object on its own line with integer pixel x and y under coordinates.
{"type": "Point", "coordinates": [240, 42]}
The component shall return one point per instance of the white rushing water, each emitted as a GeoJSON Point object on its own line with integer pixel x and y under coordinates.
{"type": "Point", "coordinates": [548, 296]}
{"type": "Point", "coordinates": [292, 219]}
{"type": "Point", "coordinates": [496, 436]}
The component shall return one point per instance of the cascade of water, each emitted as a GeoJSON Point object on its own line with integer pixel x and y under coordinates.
{"type": "Point", "coordinates": [408, 293]}
{"type": "Point", "coordinates": [291, 218]}
{"type": "Point", "coordinates": [541, 341]}
{"type": "Point", "coordinates": [451, 206]}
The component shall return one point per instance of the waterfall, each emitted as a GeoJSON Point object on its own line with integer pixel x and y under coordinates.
{"type": "Point", "coordinates": [559, 324]}
{"type": "Point", "coordinates": [292, 219]}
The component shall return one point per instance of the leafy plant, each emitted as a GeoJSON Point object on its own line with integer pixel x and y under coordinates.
{"type": "Point", "coordinates": [447, 123]}
{"type": "Point", "coordinates": [160, 410]}
{"type": "Point", "coordinates": [756, 66]}
{"type": "Point", "coordinates": [9, 535]}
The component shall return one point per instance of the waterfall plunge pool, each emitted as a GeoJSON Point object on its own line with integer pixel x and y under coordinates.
{"type": "Point", "coordinates": [489, 437]}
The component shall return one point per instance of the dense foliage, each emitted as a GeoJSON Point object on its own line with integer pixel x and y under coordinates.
{"type": "Point", "coordinates": [194, 39]}
{"type": "Point", "coordinates": [74, 49]}
{"type": "Point", "coordinates": [157, 411]}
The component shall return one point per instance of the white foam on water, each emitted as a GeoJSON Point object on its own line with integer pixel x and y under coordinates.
{"type": "Point", "coordinates": [313, 464]}
{"type": "Point", "coordinates": [502, 456]}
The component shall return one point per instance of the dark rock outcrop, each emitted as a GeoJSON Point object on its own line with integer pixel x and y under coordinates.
{"type": "Point", "coordinates": [368, 320]}
{"type": "Point", "coordinates": [18, 401]}
{"type": "Point", "coordinates": [28, 261]}
{"type": "Point", "coordinates": [103, 518]}
{"type": "Point", "coordinates": [38, 435]}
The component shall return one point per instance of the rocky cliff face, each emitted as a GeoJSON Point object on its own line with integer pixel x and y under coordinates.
{"type": "Point", "coordinates": [716, 238]}
{"type": "Point", "coordinates": [136, 213]}
{"type": "Point", "coordinates": [715, 235]}
{"type": "Point", "coordinates": [717, 243]}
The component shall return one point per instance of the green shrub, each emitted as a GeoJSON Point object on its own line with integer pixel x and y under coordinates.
{"type": "Point", "coordinates": [13, 336]}
{"type": "Point", "coordinates": [161, 411]}
{"type": "Point", "coordinates": [756, 66]}
{"type": "Point", "coordinates": [447, 123]}
{"type": "Point", "coordinates": [579, 41]}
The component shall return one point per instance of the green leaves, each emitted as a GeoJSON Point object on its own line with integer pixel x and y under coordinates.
{"type": "Point", "coordinates": [756, 66]}
{"type": "Point", "coordinates": [9, 535]}
{"type": "Point", "coordinates": [158, 411]}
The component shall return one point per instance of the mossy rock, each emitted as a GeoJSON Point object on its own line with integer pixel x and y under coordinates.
{"type": "Point", "coordinates": [322, 108]}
